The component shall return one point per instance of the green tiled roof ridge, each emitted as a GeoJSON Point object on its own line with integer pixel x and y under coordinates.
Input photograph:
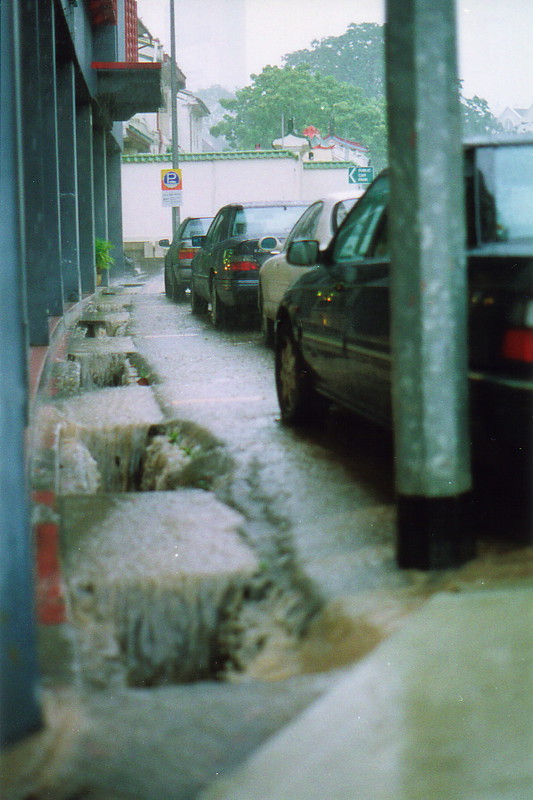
{"type": "Point", "coordinates": [329, 164]}
{"type": "Point", "coordinates": [226, 155]}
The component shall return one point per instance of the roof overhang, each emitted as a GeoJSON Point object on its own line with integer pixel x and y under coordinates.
{"type": "Point", "coordinates": [126, 88]}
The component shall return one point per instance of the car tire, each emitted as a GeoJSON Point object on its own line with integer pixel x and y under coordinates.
{"type": "Point", "coordinates": [198, 304]}
{"type": "Point", "coordinates": [219, 311]}
{"type": "Point", "coordinates": [299, 403]}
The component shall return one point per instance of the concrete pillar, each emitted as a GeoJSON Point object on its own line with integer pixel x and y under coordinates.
{"type": "Point", "coordinates": [429, 294]}
{"type": "Point", "coordinates": [84, 149]}
{"type": "Point", "coordinates": [33, 162]}
{"type": "Point", "coordinates": [68, 181]}
{"type": "Point", "coordinates": [100, 188]}
{"type": "Point", "coordinates": [100, 182]}
{"type": "Point", "coordinates": [50, 161]}
{"type": "Point", "coordinates": [20, 712]}
{"type": "Point", "coordinates": [114, 206]}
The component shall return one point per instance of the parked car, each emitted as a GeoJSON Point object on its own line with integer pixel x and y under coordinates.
{"type": "Point", "coordinates": [225, 271]}
{"type": "Point", "coordinates": [320, 221]}
{"type": "Point", "coordinates": [180, 254]}
{"type": "Point", "coordinates": [333, 330]}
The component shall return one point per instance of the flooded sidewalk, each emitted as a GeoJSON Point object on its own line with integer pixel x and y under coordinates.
{"type": "Point", "coordinates": [199, 605]}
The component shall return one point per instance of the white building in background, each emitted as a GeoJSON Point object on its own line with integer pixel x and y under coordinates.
{"type": "Point", "coordinates": [152, 133]}
{"type": "Point", "coordinates": [312, 146]}
{"type": "Point", "coordinates": [517, 120]}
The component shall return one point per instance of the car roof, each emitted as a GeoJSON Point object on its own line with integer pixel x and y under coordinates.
{"type": "Point", "coordinates": [498, 140]}
{"type": "Point", "coordinates": [267, 203]}
{"type": "Point", "coordinates": [336, 197]}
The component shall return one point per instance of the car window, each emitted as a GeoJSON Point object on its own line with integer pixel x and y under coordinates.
{"type": "Point", "coordinates": [355, 236]}
{"type": "Point", "coordinates": [218, 228]}
{"type": "Point", "coordinates": [265, 220]}
{"type": "Point", "coordinates": [306, 226]}
{"type": "Point", "coordinates": [340, 212]}
{"type": "Point", "coordinates": [503, 191]}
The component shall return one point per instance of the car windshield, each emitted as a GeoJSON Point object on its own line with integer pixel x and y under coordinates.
{"type": "Point", "coordinates": [265, 220]}
{"type": "Point", "coordinates": [357, 233]}
{"type": "Point", "coordinates": [504, 193]}
{"type": "Point", "coordinates": [196, 227]}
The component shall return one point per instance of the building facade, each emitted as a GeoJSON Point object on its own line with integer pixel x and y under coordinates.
{"type": "Point", "coordinates": [69, 76]}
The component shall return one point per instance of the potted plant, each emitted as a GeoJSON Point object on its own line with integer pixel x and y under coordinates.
{"type": "Point", "coordinates": [104, 259]}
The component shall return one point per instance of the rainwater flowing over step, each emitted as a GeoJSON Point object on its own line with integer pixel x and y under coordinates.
{"type": "Point", "coordinates": [151, 580]}
{"type": "Point", "coordinates": [163, 584]}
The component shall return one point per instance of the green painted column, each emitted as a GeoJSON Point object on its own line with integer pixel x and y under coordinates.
{"type": "Point", "coordinates": [68, 181]}
{"type": "Point", "coordinates": [20, 712]}
{"type": "Point", "coordinates": [429, 291]}
{"type": "Point", "coordinates": [84, 155]}
{"type": "Point", "coordinates": [32, 153]}
{"type": "Point", "coordinates": [114, 206]}
{"type": "Point", "coordinates": [49, 144]}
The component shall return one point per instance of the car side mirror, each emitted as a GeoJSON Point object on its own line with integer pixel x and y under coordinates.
{"type": "Point", "coordinates": [303, 253]}
{"type": "Point", "coordinates": [198, 241]}
{"type": "Point", "coordinates": [269, 243]}
{"type": "Point", "coordinates": [164, 243]}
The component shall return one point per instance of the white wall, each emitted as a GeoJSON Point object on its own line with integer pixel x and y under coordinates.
{"type": "Point", "coordinates": [208, 185]}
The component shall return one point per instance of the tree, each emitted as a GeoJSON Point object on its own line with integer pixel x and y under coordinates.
{"type": "Point", "coordinates": [356, 57]}
{"type": "Point", "coordinates": [478, 119]}
{"type": "Point", "coordinates": [299, 93]}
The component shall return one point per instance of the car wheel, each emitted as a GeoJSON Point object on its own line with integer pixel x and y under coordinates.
{"type": "Point", "coordinates": [198, 304]}
{"type": "Point", "coordinates": [219, 311]}
{"type": "Point", "coordinates": [298, 401]}
{"type": "Point", "coordinates": [267, 326]}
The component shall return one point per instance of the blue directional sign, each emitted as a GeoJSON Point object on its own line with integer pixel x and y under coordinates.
{"type": "Point", "coordinates": [360, 174]}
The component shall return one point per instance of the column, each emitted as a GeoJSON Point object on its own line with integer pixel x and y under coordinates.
{"type": "Point", "coordinates": [68, 182]}
{"type": "Point", "coordinates": [84, 148]}
{"type": "Point", "coordinates": [114, 206]}
{"type": "Point", "coordinates": [429, 291]}
{"type": "Point", "coordinates": [20, 713]}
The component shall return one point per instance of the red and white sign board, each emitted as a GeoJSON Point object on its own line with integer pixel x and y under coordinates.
{"type": "Point", "coordinates": [171, 187]}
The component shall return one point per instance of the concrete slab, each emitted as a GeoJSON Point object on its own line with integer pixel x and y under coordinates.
{"type": "Point", "coordinates": [149, 578]}
{"type": "Point", "coordinates": [103, 345]}
{"type": "Point", "coordinates": [442, 710]}
{"type": "Point", "coordinates": [111, 408]}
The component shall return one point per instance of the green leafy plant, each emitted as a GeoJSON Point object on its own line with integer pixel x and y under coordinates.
{"type": "Point", "coordinates": [104, 259]}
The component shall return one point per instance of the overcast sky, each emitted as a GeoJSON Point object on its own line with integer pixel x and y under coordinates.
{"type": "Point", "coordinates": [495, 39]}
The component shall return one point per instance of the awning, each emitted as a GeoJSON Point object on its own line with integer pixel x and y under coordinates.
{"type": "Point", "coordinates": [126, 88]}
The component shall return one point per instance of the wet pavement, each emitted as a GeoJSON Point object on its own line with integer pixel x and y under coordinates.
{"type": "Point", "coordinates": [304, 588]}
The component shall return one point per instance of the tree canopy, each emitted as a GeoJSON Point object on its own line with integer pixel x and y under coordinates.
{"type": "Point", "coordinates": [356, 57]}
{"type": "Point", "coordinates": [278, 94]}
{"type": "Point", "coordinates": [338, 85]}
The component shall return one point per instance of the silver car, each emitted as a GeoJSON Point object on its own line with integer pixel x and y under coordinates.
{"type": "Point", "coordinates": [319, 222]}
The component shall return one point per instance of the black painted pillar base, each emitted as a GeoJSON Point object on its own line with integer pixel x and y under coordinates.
{"type": "Point", "coordinates": [434, 532]}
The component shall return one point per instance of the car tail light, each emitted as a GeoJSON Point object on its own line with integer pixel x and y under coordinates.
{"type": "Point", "coordinates": [187, 253]}
{"type": "Point", "coordinates": [235, 263]}
{"type": "Point", "coordinates": [518, 345]}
